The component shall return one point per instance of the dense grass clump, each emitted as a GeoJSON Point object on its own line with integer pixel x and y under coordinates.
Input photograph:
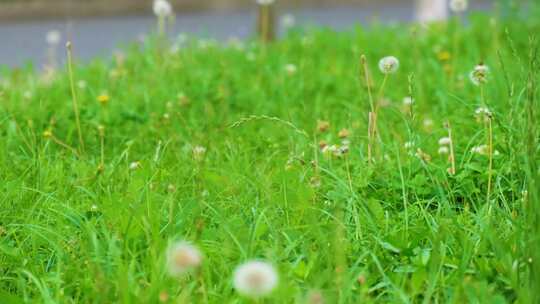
{"type": "Point", "coordinates": [261, 152]}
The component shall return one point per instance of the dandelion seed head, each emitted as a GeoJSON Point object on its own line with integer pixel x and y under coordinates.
{"type": "Point", "coordinates": [265, 2]}
{"type": "Point", "coordinates": [288, 21]}
{"type": "Point", "coordinates": [479, 75]}
{"type": "Point", "coordinates": [483, 114]}
{"type": "Point", "coordinates": [182, 257]}
{"type": "Point", "coordinates": [458, 6]}
{"type": "Point", "coordinates": [162, 8]}
{"type": "Point", "coordinates": [53, 37]}
{"type": "Point", "coordinates": [389, 65]}
{"type": "Point", "coordinates": [255, 279]}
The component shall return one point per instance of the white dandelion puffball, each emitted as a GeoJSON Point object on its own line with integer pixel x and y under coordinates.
{"type": "Point", "coordinates": [182, 257]}
{"type": "Point", "coordinates": [483, 114]}
{"type": "Point", "coordinates": [255, 279]}
{"type": "Point", "coordinates": [265, 2]}
{"type": "Point", "coordinates": [479, 75]}
{"type": "Point", "coordinates": [288, 21]}
{"type": "Point", "coordinates": [162, 8]}
{"type": "Point", "coordinates": [443, 150]}
{"type": "Point", "coordinates": [53, 37]}
{"type": "Point", "coordinates": [389, 65]}
{"type": "Point", "coordinates": [458, 6]}
{"type": "Point", "coordinates": [445, 141]}
{"type": "Point", "coordinates": [408, 101]}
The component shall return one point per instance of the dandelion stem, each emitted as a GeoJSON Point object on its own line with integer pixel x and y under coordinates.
{"type": "Point", "coordinates": [490, 155]}
{"type": "Point", "coordinates": [74, 93]}
{"type": "Point", "coordinates": [371, 114]}
{"type": "Point", "coordinates": [452, 155]}
{"type": "Point", "coordinates": [64, 145]}
{"type": "Point", "coordinates": [363, 61]}
{"type": "Point", "coordinates": [161, 26]}
{"type": "Point", "coordinates": [101, 131]}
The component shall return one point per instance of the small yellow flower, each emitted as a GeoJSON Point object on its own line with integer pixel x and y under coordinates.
{"type": "Point", "coordinates": [103, 99]}
{"type": "Point", "coordinates": [444, 56]}
{"type": "Point", "coordinates": [47, 134]}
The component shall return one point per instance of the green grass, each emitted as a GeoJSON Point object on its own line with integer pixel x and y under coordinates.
{"type": "Point", "coordinates": [401, 230]}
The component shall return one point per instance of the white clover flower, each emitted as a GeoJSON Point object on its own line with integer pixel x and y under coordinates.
{"type": "Point", "coordinates": [291, 69]}
{"type": "Point", "coordinates": [341, 151]}
{"type": "Point", "coordinates": [408, 145]}
{"type": "Point", "coordinates": [53, 37]}
{"type": "Point", "coordinates": [445, 141]}
{"type": "Point", "coordinates": [288, 21]}
{"type": "Point", "coordinates": [389, 65]}
{"type": "Point", "coordinates": [408, 101]}
{"type": "Point", "coordinates": [182, 257]}
{"type": "Point", "coordinates": [134, 165]}
{"type": "Point", "coordinates": [483, 114]}
{"type": "Point", "coordinates": [255, 279]}
{"type": "Point", "coordinates": [94, 208]}
{"type": "Point", "coordinates": [458, 6]}
{"type": "Point", "coordinates": [199, 152]}
{"type": "Point", "coordinates": [330, 150]}
{"type": "Point", "coordinates": [162, 8]}
{"type": "Point", "coordinates": [479, 75]}
{"type": "Point", "coordinates": [443, 150]}
{"type": "Point", "coordinates": [481, 150]}
{"type": "Point", "coordinates": [265, 2]}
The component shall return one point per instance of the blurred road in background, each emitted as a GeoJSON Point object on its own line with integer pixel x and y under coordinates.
{"type": "Point", "coordinates": [24, 42]}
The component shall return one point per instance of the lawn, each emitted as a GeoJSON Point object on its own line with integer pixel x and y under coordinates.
{"type": "Point", "coordinates": [269, 152]}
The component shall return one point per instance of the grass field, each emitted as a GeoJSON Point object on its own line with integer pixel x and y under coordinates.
{"type": "Point", "coordinates": [261, 152]}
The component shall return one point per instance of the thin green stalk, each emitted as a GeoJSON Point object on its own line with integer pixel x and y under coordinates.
{"type": "Point", "coordinates": [490, 155]}
{"type": "Point", "coordinates": [371, 114]}
{"type": "Point", "coordinates": [74, 93]}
